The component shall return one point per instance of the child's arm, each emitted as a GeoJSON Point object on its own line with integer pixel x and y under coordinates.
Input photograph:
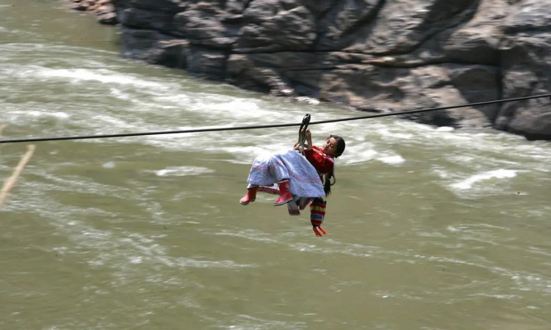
{"type": "Point", "coordinates": [320, 161]}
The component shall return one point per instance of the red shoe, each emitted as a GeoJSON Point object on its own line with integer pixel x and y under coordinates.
{"type": "Point", "coordinates": [249, 197]}
{"type": "Point", "coordinates": [284, 194]}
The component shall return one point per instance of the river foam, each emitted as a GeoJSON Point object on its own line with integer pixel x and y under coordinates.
{"type": "Point", "coordinates": [478, 178]}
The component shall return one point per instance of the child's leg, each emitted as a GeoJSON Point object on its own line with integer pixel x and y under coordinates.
{"type": "Point", "coordinates": [285, 195]}
{"type": "Point", "coordinates": [250, 196]}
{"type": "Point", "coordinates": [278, 169]}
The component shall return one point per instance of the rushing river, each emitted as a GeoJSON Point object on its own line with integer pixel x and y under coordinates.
{"type": "Point", "coordinates": [428, 228]}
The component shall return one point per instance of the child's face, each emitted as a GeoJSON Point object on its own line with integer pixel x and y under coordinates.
{"type": "Point", "coordinates": [330, 146]}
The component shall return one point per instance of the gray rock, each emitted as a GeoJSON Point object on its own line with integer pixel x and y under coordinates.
{"type": "Point", "coordinates": [173, 53]}
{"type": "Point", "coordinates": [274, 25]}
{"type": "Point", "coordinates": [147, 19]}
{"type": "Point", "coordinates": [108, 18]}
{"type": "Point", "coordinates": [207, 62]}
{"type": "Point", "coordinates": [526, 63]}
{"type": "Point", "coordinates": [205, 24]}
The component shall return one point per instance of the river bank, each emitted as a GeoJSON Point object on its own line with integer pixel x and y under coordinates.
{"type": "Point", "coordinates": [375, 56]}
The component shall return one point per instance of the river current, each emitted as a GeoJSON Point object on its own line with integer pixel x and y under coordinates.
{"type": "Point", "coordinates": [428, 228]}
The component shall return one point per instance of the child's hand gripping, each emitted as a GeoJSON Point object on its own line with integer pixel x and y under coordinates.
{"type": "Point", "coordinates": [308, 135]}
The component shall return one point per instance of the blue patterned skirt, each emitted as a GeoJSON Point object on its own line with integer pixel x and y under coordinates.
{"type": "Point", "coordinates": [268, 170]}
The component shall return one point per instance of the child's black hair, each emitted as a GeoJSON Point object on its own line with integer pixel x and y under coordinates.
{"type": "Point", "coordinates": [341, 145]}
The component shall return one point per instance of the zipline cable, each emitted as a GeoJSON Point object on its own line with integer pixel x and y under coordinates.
{"type": "Point", "coordinates": [236, 128]}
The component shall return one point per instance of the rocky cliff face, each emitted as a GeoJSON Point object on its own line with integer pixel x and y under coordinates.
{"type": "Point", "coordinates": [375, 55]}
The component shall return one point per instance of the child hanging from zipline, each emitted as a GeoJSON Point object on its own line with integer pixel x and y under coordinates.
{"type": "Point", "coordinates": [296, 178]}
